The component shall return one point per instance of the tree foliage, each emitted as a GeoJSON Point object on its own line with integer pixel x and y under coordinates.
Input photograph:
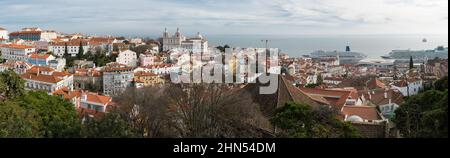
{"type": "Point", "coordinates": [223, 48]}
{"type": "Point", "coordinates": [58, 118]}
{"type": "Point", "coordinates": [112, 125]}
{"type": "Point", "coordinates": [301, 121]}
{"type": "Point", "coordinates": [191, 111]}
{"type": "Point", "coordinates": [213, 111]}
{"type": "Point", "coordinates": [424, 115]}
{"type": "Point", "coordinates": [34, 114]}
{"type": "Point", "coordinates": [80, 51]}
{"type": "Point", "coordinates": [11, 85]}
{"type": "Point", "coordinates": [140, 49]}
{"type": "Point", "coordinates": [17, 122]}
{"type": "Point", "coordinates": [441, 84]}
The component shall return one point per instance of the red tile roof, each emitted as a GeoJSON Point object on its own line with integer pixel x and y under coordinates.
{"type": "Point", "coordinates": [64, 92]}
{"type": "Point", "coordinates": [35, 69]}
{"type": "Point", "coordinates": [84, 112]}
{"type": "Point", "coordinates": [337, 98]}
{"type": "Point", "coordinates": [75, 42]}
{"type": "Point", "coordinates": [16, 46]}
{"type": "Point", "coordinates": [35, 73]}
{"type": "Point", "coordinates": [116, 67]}
{"type": "Point", "coordinates": [91, 97]}
{"type": "Point", "coordinates": [39, 56]}
{"type": "Point", "coordinates": [87, 72]}
{"type": "Point", "coordinates": [401, 83]}
{"type": "Point", "coordinates": [24, 32]}
{"type": "Point", "coordinates": [378, 97]}
{"type": "Point", "coordinates": [96, 98]}
{"type": "Point", "coordinates": [366, 112]}
{"type": "Point", "coordinates": [142, 74]}
{"type": "Point", "coordinates": [42, 78]}
{"type": "Point", "coordinates": [375, 84]}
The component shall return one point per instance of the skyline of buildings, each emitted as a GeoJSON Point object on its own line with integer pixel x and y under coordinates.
{"type": "Point", "coordinates": [364, 92]}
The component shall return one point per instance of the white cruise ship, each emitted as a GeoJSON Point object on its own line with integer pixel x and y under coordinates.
{"type": "Point", "coordinates": [405, 55]}
{"type": "Point", "coordinates": [345, 57]}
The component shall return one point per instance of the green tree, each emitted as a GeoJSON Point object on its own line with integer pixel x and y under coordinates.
{"type": "Point", "coordinates": [66, 51]}
{"type": "Point", "coordinates": [89, 56]}
{"type": "Point", "coordinates": [140, 49]}
{"type": "Point", "coordinates": [411, 63]}
{"type": "Point", "coordinates": [11, 85]}
{"type": "Point", "coordinates": [424, 115]}
{"type": "Point", "coordinates": [58, 117]}
{"type": "Point", "coordinates": [17, 122]}
{"type": "Point", "coordinates": [301, 121]}
{"type": "Point", "coordinates": [80, 51]}
{"type": "Point", "coordinates": [441, 84]}
{"type": "Point", "coordinates": [223, 48]}
{"type": "Point", "coordinates": [112, 125]}
{"type": "Point", "coordinates": [312, 85]}
{"type": "Point", "coordinates": [100, 59]}
{"type": "Point", "coordinates": [319, 79]}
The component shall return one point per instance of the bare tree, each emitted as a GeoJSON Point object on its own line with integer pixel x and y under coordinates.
{"type": "Point", "coordinates": [213, 111]}
{"type": "Point", "coordinates": [145, 109]}
{"type": "Point", "coordinates": [192, 111]}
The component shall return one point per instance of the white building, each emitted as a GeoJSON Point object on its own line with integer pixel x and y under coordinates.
{"type": "Point", "coordinates": [86, 100]}
{"type": "Point", "coordinates": [3, 34]}
{"type": "Point", "coordinates": [104, 44]}
{"type": "Point", "coordinates": [116, 78]}
{"type": "Point", "coordinates": [333, 80]}
{"type": "Point", "coordinates": [311, 78]}
{"type": "Point", "coordinates": [128, 58]}
{"type": "Point", "coordinates": [58, 64]}
{"type": "Point", "coordinates": [410, 87]}
{"type": "Point", "coordinates": [137, 41]}
{"type": "Point", "coordinates": [48, 35]}
{"type": "Point", "coordinates": [387, 100]}
{"type": "Point", "coordinates": [40, 59]}
{"type": "Point", "coordinates": [73, 48]}
{"type": "Point", "coordinates": [16, 52]}
{"type": "Point", "coordinates": [34, 34]}
{"type": "Point", "coordinates": [178, 41]}
{"type": "Point", "coordinates": [146, 59]}
{"type": "Point", "coordinates": [93, 101]}
{"type": "Point", "coordinates": [47, 79]}
{"type": "Point", "coordinates": [376, 63]}
{"type": "Point", "coordinates": [19, 67]}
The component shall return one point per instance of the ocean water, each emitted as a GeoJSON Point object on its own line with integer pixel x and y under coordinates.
{"type": "Point", "coordinates": [372, 45]}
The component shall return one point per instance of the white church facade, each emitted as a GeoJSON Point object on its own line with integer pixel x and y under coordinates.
{"type": "Point", "coordinates": [197, 44]}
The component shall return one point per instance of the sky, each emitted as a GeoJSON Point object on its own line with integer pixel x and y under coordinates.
{"type": "Point", "coordinates": [221, 17]}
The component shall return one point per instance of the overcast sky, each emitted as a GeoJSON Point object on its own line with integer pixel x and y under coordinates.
{"type": "Point", "coordinates": [150, 17]}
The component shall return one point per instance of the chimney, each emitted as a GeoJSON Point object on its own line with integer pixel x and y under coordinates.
{"type": "Point", "coordinates": [385, 95]}
{"type": "Point", "coordinates": [390, 101]}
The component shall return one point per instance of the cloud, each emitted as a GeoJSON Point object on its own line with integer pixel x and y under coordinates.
{"type": "Point", "coordinates": [142, 17]}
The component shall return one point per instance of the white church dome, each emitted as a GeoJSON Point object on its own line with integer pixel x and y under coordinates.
{"type": "Point", "coordinates": [355, 118]}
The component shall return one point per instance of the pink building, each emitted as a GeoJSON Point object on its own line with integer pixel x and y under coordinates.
{"type": "Point", "coordinates": [147, 59]}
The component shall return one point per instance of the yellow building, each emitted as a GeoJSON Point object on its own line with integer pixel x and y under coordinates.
{"type": "Point", "coordinates": [144, 79]}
